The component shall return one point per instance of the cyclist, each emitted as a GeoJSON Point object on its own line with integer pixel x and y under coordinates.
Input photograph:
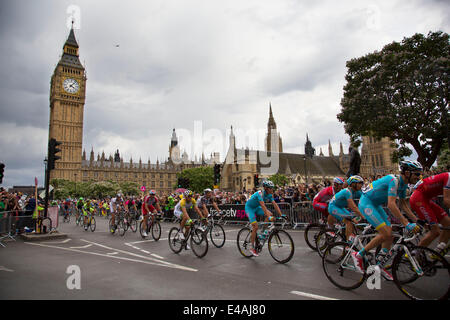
{"type": "Point", "coordinates": [150, 205]}
{"type": "Point", "coordinates": [187, 202]}
{"type": "Point", "coordinates": [80, 205]}
{"type": "Point", "coordinates": [115, 204]}
{"type": "Point", "coordinates": [88, 208]}
{"type": "Point", "coordinates": [421, 203]}
{"type": "Point", "coordinates": [105, 208]}
{"type": "Point", "coordinates": [130, 207]}
{"type": "Point", "coordinates": [344, 199]}
{"type": "Point", "coordinates": [255, 206]}
{"type": "Point", "coordinates": [66, 208]}
{"type": "Point", "coordinates": [379, 192]}
{"type": "Point", "coordinates": [321, 200]}
{"type": "Point", "coordinates": [206, 199]}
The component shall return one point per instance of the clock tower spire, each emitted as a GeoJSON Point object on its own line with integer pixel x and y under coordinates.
{"type": "Point", "coordinates": [67, 98]}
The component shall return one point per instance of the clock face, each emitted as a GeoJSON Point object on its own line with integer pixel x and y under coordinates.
{"type": "Point", "coordinates": [71, 85]}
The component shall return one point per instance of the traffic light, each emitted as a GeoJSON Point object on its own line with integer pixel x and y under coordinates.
{"type": "Point", "coordinates": [2, 169]}
{"type": "Point", "coordinates": [256, 178]}
{"type": "Point", "coordinates": [216, 174]}
{"type": "Point", "coordinates": [52, 151]}
{"type": "Point", "coordinates": [183, 183]}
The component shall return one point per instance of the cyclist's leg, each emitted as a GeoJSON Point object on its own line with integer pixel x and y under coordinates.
{"type": "Point", "coordinates": [204, 215]}
{"type": "Point", "coordinates": [251, 214]}
{"type": "Point", "coordinates": [342, 215]}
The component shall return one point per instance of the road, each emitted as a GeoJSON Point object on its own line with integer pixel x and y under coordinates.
{"type": "Point", "coordinates": [128, 267]}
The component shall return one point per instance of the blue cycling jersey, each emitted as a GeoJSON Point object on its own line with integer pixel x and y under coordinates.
{"type": "Point", "coordinates": [258, 196]}
{"type": "Point", "coordinates": [388, 186]}
{"type": "Point", "coordinates": [340, 198]}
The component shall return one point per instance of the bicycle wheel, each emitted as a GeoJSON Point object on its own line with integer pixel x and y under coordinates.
{"type": "Point", "coordinates": [244, 242]}
{"type": "Point", "coordinates": [133, 224]}
{"type": "Point", "coordinates": [142, 228]}
{"type": "Point", "coordinates": [433, 283]}
{"type": "Point", "coordinates": [339, 268]}
{"type": "Point", "coordinates": [324, 239]}
{"type": "Point", "coordinates": [281, 246]}
{"type": "Point", "coordinates": [199, 243]}
{"type": "Point", "coordinates": [93, 225]}
{"type": "Point", "coordinates": [217, 235]}
{"type": "Point", "coordinates": [112, 228]}
{"type": "Point", "coordinates": [121, 227]}
{"type": "Point", "coordinates": [175, 242]}
{"type": "Point", "coordinates": [156, 230]}
{"type": "Point", "coordinates": [46, 225]}
{"type": "Point", "coordinates": [311, 232]}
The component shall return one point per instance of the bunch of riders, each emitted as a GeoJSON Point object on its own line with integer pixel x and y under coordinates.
{"type": "Point", "coordinates": [344, 201]}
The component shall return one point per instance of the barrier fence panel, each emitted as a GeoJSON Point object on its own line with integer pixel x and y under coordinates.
{"type": "Point", "coordinates": [303, 213]}
{"type": "Point", "coordinates": [286, 209]}
{"type": "Point", "coordinates": [13, 222]}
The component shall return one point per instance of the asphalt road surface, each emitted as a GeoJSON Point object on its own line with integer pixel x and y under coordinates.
{"type": "Point", "coordinates": [128, 267]}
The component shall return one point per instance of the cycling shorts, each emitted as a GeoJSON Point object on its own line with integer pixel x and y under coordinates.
{"type": "Point", "coordinates": [426, 209]}
{"type": "Point", "coordinates": [374, 214]}
{"type": "Point", "coordinates": [145, 212]}
{"type": "Point", "coordinates": [253, 212]}
{"type": "Point", "coordinates": [340, 213]}
{"type": "Point", "coordinates": [322, 207]}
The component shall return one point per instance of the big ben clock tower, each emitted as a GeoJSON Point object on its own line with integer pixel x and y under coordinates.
{"type": "Point", "coordinates": [67, 98]}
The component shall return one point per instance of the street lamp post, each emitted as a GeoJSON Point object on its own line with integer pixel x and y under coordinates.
{"type": "Point", "coordinates": [306, 173]}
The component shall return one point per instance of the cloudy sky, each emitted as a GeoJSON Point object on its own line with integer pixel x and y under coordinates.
{"type": "Point", "coordinates": [199, 66]}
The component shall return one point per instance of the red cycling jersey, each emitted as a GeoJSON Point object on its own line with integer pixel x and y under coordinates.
{"type": "Point", "coordinates": [426, 190]}
{"type": "Point", "coordinates": [320, 201]}
{"type": "Point", "coordinates": [150, 203]}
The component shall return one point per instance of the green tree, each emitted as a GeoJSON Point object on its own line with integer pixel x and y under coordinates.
{"type": "Point", "coordinates": [199, 178]}
{"type": "Point", "coordinates": [401, 92]}
{"type": "Point", "coordinates": [443, 162]}
{"type": "Point", "coordinates": [279, 179]}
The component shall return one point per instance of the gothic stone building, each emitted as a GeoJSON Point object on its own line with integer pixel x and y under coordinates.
{"type": "Point", "coordinates": [241, 165]}
{"type": "Point", "coordinates": [67, 99]}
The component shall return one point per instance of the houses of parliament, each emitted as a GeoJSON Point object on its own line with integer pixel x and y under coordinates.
{"type": "Point", "coordinates": [67, 100]}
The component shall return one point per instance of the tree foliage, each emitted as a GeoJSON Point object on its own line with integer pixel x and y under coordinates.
{"type": "Point", "coordinates": [401, 92]}
{"type": "Point", "coordinates": [199, 178]}
{"type": "Point", "coordinates": [64, 189]}
{"type": "Point", "coordinates": [279, 180]}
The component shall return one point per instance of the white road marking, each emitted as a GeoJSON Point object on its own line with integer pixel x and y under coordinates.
{"type": "Point", "coordinates": [2, 268]}
{"type": "Point", "coordinates": [155, 255]}
{"type": "Point", "coordinates": [162, 263]}
{"type": "Point", "coordinates": [112, 253]}
{"type": "Point", "coordinates": [64, 241]}
{"type": "Point", "coordinates": [82, 247]}
{"type": "Point", "coordinates": [152, 262]}
{"type": "Point", "coordinates": [313, 296]}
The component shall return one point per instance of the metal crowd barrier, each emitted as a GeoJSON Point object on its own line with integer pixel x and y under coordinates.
{"type": "Point", "coordinates": [14, 222]}
{"type": "Point", "coordinates": [303, 213]}
{"type": "Point", "coordinates": [299, 214]}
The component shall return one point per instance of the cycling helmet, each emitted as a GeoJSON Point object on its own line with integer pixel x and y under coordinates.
{"type": "Point", "coordinates": [338, 180]}
{"type": "Point", "coordinates": [207, 190]}
{"type": "Point", "coordinates": [187, 193]}
{"type": "Point", "coordinates": [409, 165]}
{"type": "Point", "coordinates": [81, 198]}
{"type": "Point", "coordinates": [268, 184]}
{"type": "Point", "coordinates": [152, 192]}
{"type": "Point", "coordinates": [356, 179]}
